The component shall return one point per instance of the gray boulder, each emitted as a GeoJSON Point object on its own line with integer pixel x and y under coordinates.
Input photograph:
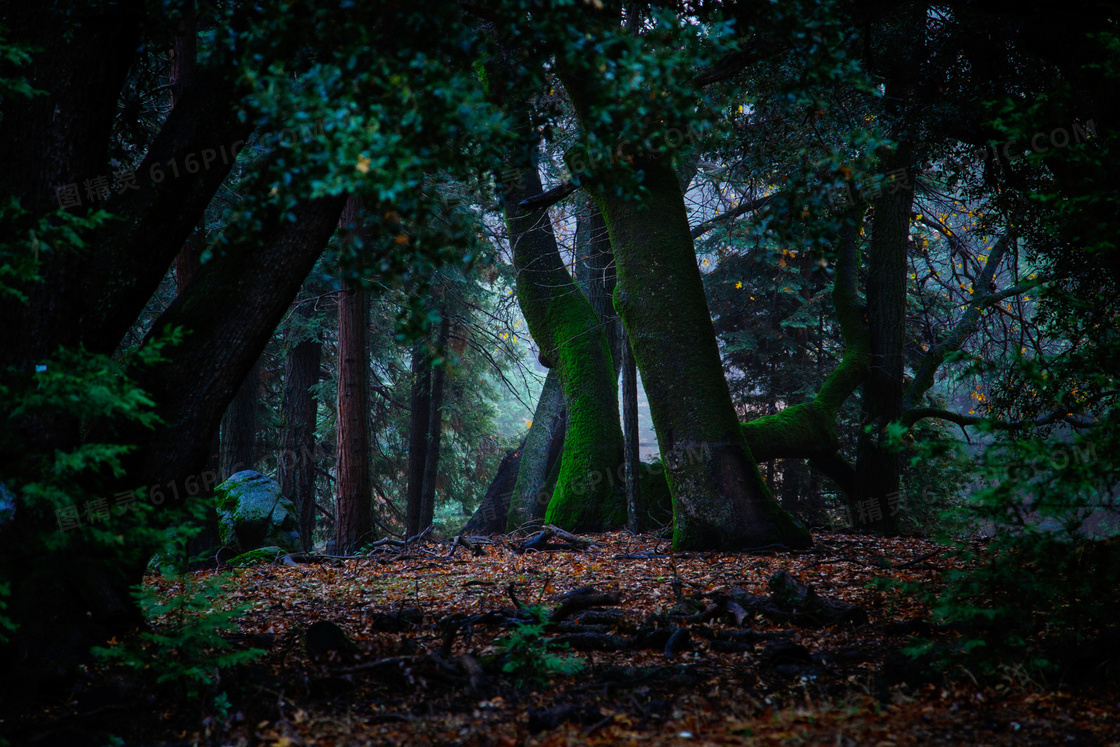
{"type": "Point", "coordinates": [253, 513]}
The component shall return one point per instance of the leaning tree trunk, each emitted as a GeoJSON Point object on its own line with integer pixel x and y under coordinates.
{"type": "Point", "coordinates": [353, 515]}
{"type": "Point", "coordinates": [299, 410]}
{"type": "Point", "coordinates": [538, 455]}
{"type": "Point", "coordinates": [420, 403]}
{"type": "Point", "coordinates": [720, 500]}
{"type": "Point", "coordinates": [572, 341]}
{"type": "Point", "coordinates": [435, 428]}
{"type": "Point", "coordinates": [490, 518]}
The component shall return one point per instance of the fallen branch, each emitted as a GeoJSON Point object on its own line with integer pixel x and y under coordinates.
{"type": "Point", "coordinates": [582, 599]}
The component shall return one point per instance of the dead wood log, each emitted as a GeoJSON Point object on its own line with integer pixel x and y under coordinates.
{"type": "Point", "coordinates": [462, 541]}
{"type": "Point", "coordinates": [541, 541]}
{"type": "Point", "coordinates": [587, 598]}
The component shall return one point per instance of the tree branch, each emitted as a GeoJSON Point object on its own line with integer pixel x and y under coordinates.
{"type": "Point", "coordinates": [744, 208]}
{"type": "Point", "coordinates": [549, 198]}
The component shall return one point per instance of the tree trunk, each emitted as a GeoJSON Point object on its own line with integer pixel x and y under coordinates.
{"type": "Point", "coordinates": [299, 413]}
{"type": "Point", "coordinates": [420, 405]}
{"type": "Point", "coordinates": [719, 498]}
{"type": "Point", "coordinates": [538, 456]}
{"type": "Point", "coordinates": [202, 546]}
{"type": "Point", "coordinates": [353, 515]}
{"type": "Point", "coordinates": [239, 426]}
{"type": "Point", "coordinates": [630, 433]}
{"type": "Point", "coordinates": [435, 427]}
{"type": "Point", "coordinates": [595, 275]}
{"type": "Point", "coordinates": [879, 467]}
{"type": "Point", "coordinates": [808, 430]}
{"type": "Point", "coordinates": [572, 341]}
{"type": "Point", "coordinates": [490, 517]}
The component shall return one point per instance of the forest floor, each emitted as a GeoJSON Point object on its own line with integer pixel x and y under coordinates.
{"type": "Point", "coordinates": [428, 665]}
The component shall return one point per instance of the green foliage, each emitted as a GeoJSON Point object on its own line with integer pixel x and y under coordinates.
{"type": "Point", "coordinates": [530, 657]}
{"type": "Point", "coordinates": [184, 644]}
{"type": "Point", "coordinates": [74, 386]}
{"type": "Point", "coordinates": [14, 55]}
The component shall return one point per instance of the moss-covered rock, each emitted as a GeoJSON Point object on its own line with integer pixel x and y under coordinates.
{"type": "Point", "coordinates": [254, 514]}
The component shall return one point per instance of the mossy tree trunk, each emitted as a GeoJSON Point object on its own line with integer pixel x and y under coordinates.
{"type": "Point", "coordinates": [808, 430]}
{"type": "Point", "coordinates": [572, 341]}
{"type": "Point", "coordinates": [720, 501]}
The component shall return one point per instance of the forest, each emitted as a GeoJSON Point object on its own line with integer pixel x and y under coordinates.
{"type": "Point", "coordinates": [559, 372]}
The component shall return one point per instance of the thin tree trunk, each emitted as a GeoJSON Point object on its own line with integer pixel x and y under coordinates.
{"type": "Point", "coordinates": [435, 428]}
{"type": "Point", "coordinates": [630, 432]}
{"type": "Point", "coordinates": [353, 517]}
{"type": "Point", "coordinates": [299, 409]}
{"type": "Point", "coordinates": [420, 401]}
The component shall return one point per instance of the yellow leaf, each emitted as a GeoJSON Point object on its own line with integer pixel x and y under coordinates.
{"type": "Point", "coordinates": [363, 164]}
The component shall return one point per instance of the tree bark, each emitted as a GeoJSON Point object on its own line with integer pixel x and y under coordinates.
{"type": "Point", "coordinates": [879, 467]}
{"type": "Point", "coordinates": [51, 141]}
{"type": "Point", "coordinates": [720, 500]}
{"type": "Point", "coordinates": [299, 413]}
{"type": "Point", "coordinates": [435, 427]}
{"type": "Point", "coordinates": [595, 275]}
{"type": "Point", "coordinates": [490, 517]}
{"type": "Point", "coordinates": [239, 426]}
{"type": "Point", "coordinates": [353, 515]}
{"type": "Point", "coordinates": [539, 454]}
{"type": "Point", "coordinates": [630, 433]}
{"type": "Point", "coordinates": [420, 404]}
{"type": "Point", "coordinates": [232, 307]}
{"type": "Point", "coordinates": [572, 341]}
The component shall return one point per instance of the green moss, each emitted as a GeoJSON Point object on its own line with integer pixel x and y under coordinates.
{"type": "Point", "coordinates": [564, 324]}
{"type": "Point", "coordinates": [719, 498]}
{"type": "Point", "coordinates": [255, 557]}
